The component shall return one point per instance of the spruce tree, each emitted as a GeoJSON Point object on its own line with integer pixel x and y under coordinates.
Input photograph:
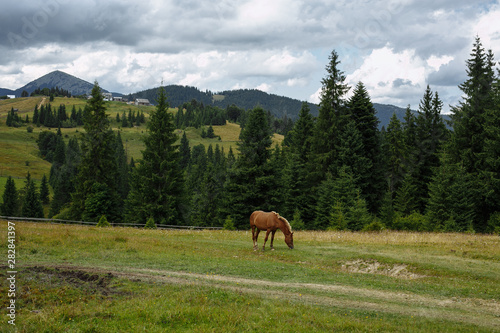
{"type": "Point", "coordinates": [32, 206]}
{"type": "Point", "coordinates": [98, 162]}
{"type": "Point", "coordinates": [406, 200]}
{"type": "Point", "coordinates": [452, 197]}
{"type": "Point", "coordinates": [184, 151]}
{"type": "Point", "coordinates": [252, 181]}
{"type": "Point", "coordinates": [44, 191]}
{"type": "Point", "coordinates": [63, 179]}
{"type": "Point", "coordinates": [297, 181]}
{"type": "Point", "coordinates": [10, 205]}
{"type": "Point", "coordinates": [409, 138]}
{"type": "Point", "coordinates": [469, 116]}
{"type": "Point", "coordinates": [395, 151]}
{"type": "Point", "coordinates": [351, 155]}
{"type": "Point", "coordinates": [362, 112]}
{"type": "Point", "coordinates": [122, 167]}
{"type": "Point", "coordinates": [472, 132]}
{"type": "Point", "coordinates": [430, 135]}
{"type": "Point", "coordinates": [157, 182]}
{"type": "Point", "coordinates": [332, 108]}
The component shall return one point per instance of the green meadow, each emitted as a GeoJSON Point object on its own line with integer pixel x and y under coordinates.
{"type": "Point", "coordinates": [19, 151]}
{"type": "Point", "coordinates": [89, 279]}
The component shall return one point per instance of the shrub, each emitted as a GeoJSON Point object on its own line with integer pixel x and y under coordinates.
{"type": "Point", "coordinates": [494, 224]}
{"type": "Point", "coordinates": [228, 224]}
{"type": "Point", "coordinates": [296, 222]}
{"type": "Point", "coordinates": [150, 224]}
{"type": "Point", "coordinates": [103, 222]}
{"type": "Point", "coordinates": [374, 226]}
{"type": "Point", "coordinates": [413, 222]}
{"type": "Point", "coordinates": [64, 214]}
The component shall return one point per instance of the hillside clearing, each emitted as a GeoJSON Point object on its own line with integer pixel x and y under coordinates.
{"type": "Point", "coordinates": [120, 277]}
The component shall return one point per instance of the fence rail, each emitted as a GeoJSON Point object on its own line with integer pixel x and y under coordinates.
{"type": "Point", "coordinates": [134, 225]}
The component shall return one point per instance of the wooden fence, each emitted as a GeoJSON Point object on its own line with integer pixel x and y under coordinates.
{"type": "Point", "coordinates": [133, 225]}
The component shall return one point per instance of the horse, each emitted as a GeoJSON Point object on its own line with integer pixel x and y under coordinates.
{"type": "Point", "coordinates": [270, 222]}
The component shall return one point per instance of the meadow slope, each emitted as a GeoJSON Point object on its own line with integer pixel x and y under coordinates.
{"type": "Point", "coordinates": [88, 279]}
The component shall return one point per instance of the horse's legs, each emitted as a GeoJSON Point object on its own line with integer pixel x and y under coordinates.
{"type": "Point", "coordinates": [255, 235]}
{"type": "Point", "coordinates": [265, 240]}
{"type": "Point", "coordinates": [272, 239]}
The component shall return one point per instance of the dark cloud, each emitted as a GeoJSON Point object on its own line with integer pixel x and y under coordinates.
{"type": "Point", "coordinates": [449, 75]}
{"type": "Point", "coordinates": [401, 82]}
{"type": "Point", "coordinates": [170, 34]}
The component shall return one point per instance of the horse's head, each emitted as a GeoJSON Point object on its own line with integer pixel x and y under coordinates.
{"type": "Point", "coordinates": [289, 240]}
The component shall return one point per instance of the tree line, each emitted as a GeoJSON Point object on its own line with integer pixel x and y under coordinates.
{"type": "Point", "coordinates": [336, 171]}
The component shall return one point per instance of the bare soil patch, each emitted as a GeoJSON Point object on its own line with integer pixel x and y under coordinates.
{"type": "Point", "coordinates": [375, 267]}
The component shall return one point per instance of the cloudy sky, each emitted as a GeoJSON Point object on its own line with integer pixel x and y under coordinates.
{"type": "Point", "coordinates": [394, 47]}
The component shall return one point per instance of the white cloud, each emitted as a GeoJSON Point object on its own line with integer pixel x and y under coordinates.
{"type": "Point", "coordinates": [388, 75]}
{"type": "Point", "coordinates": [436, 62]}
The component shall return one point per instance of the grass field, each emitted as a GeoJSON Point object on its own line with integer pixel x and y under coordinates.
{"type": "Point", "coordinates": [87, 279]}
{"type": "Point", "coordinates": [19, 150]}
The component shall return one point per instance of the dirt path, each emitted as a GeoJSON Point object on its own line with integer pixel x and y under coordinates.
{"type": "Point", "coordinates": [480, 312]}
{"type": "Point", "coordinates": [41, 103]}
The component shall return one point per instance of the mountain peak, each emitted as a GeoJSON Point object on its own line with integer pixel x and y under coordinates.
{"type": "Point", "coordinates": [59, 79]}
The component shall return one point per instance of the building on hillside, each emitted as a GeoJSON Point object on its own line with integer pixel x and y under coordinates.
{"type": "Point", "coordinates": [107, 96]}
{"type": "Point", "coordinates": [118, 99]}
{"type": "Point", "coordinates": [142, 101]}
{"type": "Point", "coordinates": [11, 96]}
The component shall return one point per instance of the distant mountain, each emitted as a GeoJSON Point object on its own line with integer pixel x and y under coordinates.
{"type": "Point", "coordinates": [58, 79]}
{"type": "Point", "coordinates": [4, 92]}
{"type": "Point", "coordinates": [246, 99]}
{"type": "Point", "coordinates": [279, 106]}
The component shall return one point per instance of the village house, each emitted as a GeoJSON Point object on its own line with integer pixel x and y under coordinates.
{"type": "Point", "coordinates": [142, 101]}
{"type": "Point", "coordinates": [107, 96]}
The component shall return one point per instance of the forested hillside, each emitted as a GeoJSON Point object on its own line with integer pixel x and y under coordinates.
{"type": "Point", "coordinates": [337, 171]}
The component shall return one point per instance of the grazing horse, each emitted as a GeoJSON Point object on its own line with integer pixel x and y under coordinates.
{"type": "Point", "coordinates": [270, 222]}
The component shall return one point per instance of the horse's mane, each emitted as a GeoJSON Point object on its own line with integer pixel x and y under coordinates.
{"type": "Point", "coordinates": [284, 220]}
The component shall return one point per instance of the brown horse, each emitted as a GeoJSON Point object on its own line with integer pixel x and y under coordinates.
{"type": "Point", "coordinates": [270, 222]}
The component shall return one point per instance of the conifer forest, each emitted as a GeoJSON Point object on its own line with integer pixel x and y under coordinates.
{"type": "Point", "coordinates": [336, 171]}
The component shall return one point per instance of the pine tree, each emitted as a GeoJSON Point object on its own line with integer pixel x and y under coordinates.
{"type": "Point", "coordinates": [340, 205]}
{"type": "Point", "coordinates": [471, 131]}
{"type": "Point", "coordinates": [430, 135]}
{"type": "Point", "coordinates": [32, 206]}
{"type": "Point", "coordinates": [251, 181]}
{"type": "Point", "coordinates": [184, 151]}
{"type": "Point", "coordinates": [469, 116]}
{"type": "Point", "coordinates": [492, 148]}
{"type": "Point", "coordinates": [297, 181]}
{"type": "Point", "coordinates": [332, 108]}
{"type": "Point", "coordinates": [452, 197]}
{"type": "Point", "coordinates": [44, 191]}
{"type": "Point", "coordinates": [395, 154]}
{"type": "Point", "coordinates": [362, 112]}
{"type": "Point", "coordinates": [300, 137]}
{"type": "Point", "coordinates": [157, 182]}
{"type": "Point", "coordinates": [62, 179]}
{"type": "Point", "coordinates": [351, 155]}
{"type": "Point", "coordinates": [98, 162]}
{"type": "Point", "coordinates": [122, 167]}
{"type": "Point", "coordinates": [406, 200]}
{"type": "Point", "coordinates": [10, 205]}
{"type": "Point", "coordinates": [99, 202]}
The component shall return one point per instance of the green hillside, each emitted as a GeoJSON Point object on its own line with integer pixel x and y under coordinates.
{"type": "Point", "coordinates": [19, 152]}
